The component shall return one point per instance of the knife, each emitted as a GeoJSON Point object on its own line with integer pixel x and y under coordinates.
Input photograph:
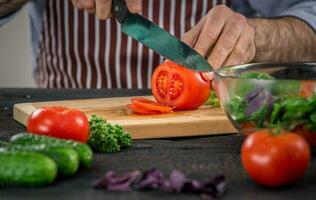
{"type": "Point", "coordinates": [157, 39]}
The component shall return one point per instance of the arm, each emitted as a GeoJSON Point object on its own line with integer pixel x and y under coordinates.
{"type": "Point", "coordinates": [9, 6]}
{"type": "Point", "coordinates": [284, 39]}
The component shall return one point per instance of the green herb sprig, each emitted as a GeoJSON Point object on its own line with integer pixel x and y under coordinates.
{"type": "Point", "coordinates": [107, 138]}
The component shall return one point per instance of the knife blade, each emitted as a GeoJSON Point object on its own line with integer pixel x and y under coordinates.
{"type": "Point", "coordinates": [157, 39]}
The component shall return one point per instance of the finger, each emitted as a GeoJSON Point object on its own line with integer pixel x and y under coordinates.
{"type": "Point", "coordinates": [212, 28]}
{"type": "Point", "coordinates": [208, 76]}
{"type": "Point", "coordinates": [192, 35]}
{"type": "Point", "coordinates": [84, 4]}
{"type": "Point", "coordinates": [103, 8]}
{"type": "Point", "coordinates": [227, 40]}
{"type": "Point", "coordinates": [134, 6]}
{"type": "Point", "coordinates": [244, 50]}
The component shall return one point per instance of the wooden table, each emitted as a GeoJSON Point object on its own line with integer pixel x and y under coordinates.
{"type": "Point", "coordinates": [195, 156]}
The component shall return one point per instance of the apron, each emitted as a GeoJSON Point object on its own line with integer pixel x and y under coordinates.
{"type": "Point", "coordinates": [77, 50]}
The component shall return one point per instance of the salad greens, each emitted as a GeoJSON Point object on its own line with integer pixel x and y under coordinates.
{"type": "Point", "coordinates": [107, 138]}
{"type": "Point", "coordinates": [272, 104]}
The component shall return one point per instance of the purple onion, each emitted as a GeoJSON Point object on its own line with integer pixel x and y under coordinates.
{"type": "Point", "coordinates": [151, 179]}
{"type": "Point", "coordinates": [112, 182]}
{"type": "Point", "coordinates": [155, 179]}
{"type": "Point", "coordinates": [177, 180]}
{"type": "Point", "coordinates": [258, 98]}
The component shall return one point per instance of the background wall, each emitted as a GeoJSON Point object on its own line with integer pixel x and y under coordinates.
{"type": "Point", "coordinates": [16, 53]}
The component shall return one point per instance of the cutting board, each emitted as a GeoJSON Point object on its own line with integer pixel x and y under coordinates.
{"type": "Point", "coordinates": [206, 120]}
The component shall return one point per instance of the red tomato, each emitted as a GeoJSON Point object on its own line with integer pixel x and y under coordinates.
{"type": "Point", "coordinates": [60, 122]}
{"type": "Point", "coordinates": [275, 160]}
{"type": "Point", "coordinates": [307, 88]}
{"type": "Point", "coordinates": [178, 87]}
{"type": "Point", "coordinates": [150, 105]}
{"type": "Point", "coordinates": [309, 136]}
{"type": "Point", "coordinates": [140, 110]}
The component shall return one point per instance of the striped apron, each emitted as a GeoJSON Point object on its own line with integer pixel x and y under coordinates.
{"type": "Point", "coordinates": [77, 50]}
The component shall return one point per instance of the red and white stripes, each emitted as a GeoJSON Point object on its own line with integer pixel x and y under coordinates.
{"type": "Point", "coordinates": [79, 51]}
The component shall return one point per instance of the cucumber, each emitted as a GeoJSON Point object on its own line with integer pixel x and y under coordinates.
{"type": "Point", "coordinates": [84, 151]}
{"type": "Point", "coordinates": [31, 169]}
{"type": "Point", "coordinates": [66, 158]}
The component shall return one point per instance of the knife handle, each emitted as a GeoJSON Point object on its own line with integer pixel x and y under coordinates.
{"type": "Point", "coordinates": [119, 10]}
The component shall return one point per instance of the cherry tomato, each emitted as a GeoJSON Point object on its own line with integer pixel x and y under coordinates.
{"type": "Point", "coordinates": [60, 122]}
{"type": "Point", "coordinates": [140, 110]}
{"type": "Point", "coordinates": [150, 105]}
{"type": "Point", "coordinates": [275, 160]}
{"type": "Point", "coordinates": [178, 87]}
{"type": "Point", "coordinates": [308, 88]}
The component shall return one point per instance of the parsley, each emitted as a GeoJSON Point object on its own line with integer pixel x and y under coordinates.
{"type": "Point", "coordinates": [107, 138]}
{"type": "Point", "coordinates": [212, 100]}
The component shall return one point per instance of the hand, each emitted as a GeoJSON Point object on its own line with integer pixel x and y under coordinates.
{"type": "Point", "coordinates": [102, 8]}
{"type": "Point", "coordinates": [223, 37]}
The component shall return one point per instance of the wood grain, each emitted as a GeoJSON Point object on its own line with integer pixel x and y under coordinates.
{"type": "Point", "coordinates": [206, 120]}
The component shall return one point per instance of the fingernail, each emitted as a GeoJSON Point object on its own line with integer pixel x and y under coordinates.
{"type": "Point", "coordinates": [208, 76]}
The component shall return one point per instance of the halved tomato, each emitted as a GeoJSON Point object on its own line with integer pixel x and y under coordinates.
{"type": "Point", "coordinates": [140, 110]}
{"type": "Point", "coordinates": [150, 105]}
{"type": "Point", "coordinates": [178, 87]}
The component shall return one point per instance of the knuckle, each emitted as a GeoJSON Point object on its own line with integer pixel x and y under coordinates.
{"type": "Point", "coordinates": [226, 44]}
{"type": "Point", "coordinates": [89, 4]}
{"type": "Point", "coordinates": [216, 61]}
{"type": "Point", "coordinates": [251, 31]}
{"type": "Point", "coordinates": [252, 53]}
{"type": "Point", "coordinates": [240, 51]}
{"type": "Point", "coordinates": [219, 57]}
{"type": "Point", "coordinates": [221, 9]}
{"type": "Point", "coordinates": [200, 50]}
{"type": "Point", "coordinates": [239, 18]}
{"type": "Point", "coordinates": [211, 36]}
{"type": "Point", "coordinates": [219, 12]}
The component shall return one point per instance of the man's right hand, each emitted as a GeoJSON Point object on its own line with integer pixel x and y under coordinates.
{"type": "Point", "coordinates": [102, 8]}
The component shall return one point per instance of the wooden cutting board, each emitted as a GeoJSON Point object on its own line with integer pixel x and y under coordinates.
{"type": "Point", "coordinates": [207, 120]}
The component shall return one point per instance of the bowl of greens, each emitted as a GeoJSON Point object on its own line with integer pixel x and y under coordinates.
{"type": "Point", "coordinates": [270, 95]}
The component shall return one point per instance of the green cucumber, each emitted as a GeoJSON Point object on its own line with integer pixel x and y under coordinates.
{"type": "Point", "coordinates": [26, 169]}
{"type": "Point", "coordinates": [84, 151]}
{"type": "Point", "coordinates": [66, 158]}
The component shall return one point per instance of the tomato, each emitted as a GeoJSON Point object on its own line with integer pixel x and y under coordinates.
{"type": "Point", "coordinates": [140, 110]}
{"type": "Point", "coordinates": [179, 87]}
{"type": "Point", "coordinates": [60, 122]}
{"type": "Point", "coordinates": [150, 105]}
{"type": "Point", "coordinates": [275, 160]}
{"type": "Point", "coordinates": [308, 88]}
{"type": "Point", "coordinates": [247, 128]}
{"type": "Point", "coordinates": [309, 136]}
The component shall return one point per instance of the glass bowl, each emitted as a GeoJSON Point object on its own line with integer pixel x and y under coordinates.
{"type": "Point", "coordinates": [270, 95]}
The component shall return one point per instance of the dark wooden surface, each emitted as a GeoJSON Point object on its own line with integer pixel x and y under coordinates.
{"type": "Point", "coordinates": [197, 157]}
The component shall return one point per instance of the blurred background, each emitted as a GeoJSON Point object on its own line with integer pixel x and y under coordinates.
{"type": "Point", "coordinates": [15, 53]}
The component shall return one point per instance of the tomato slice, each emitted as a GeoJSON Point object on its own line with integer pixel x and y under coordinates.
{"type": "Point", "coordinates": [140, 110]}
{"type": "Point", "coordinates": [148, 104]}
{"type": "Point", "coordinates": [179, 87]}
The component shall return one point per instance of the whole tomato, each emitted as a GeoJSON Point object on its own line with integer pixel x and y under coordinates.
{"type": "Point", "coordinates": [275, 159]}
{"type": "Point", "coordinates": [60, 122]}
{"type": "Point", "coordinates": [309, 136]}
{"type": "Point", "coordinates": [178, 87]}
